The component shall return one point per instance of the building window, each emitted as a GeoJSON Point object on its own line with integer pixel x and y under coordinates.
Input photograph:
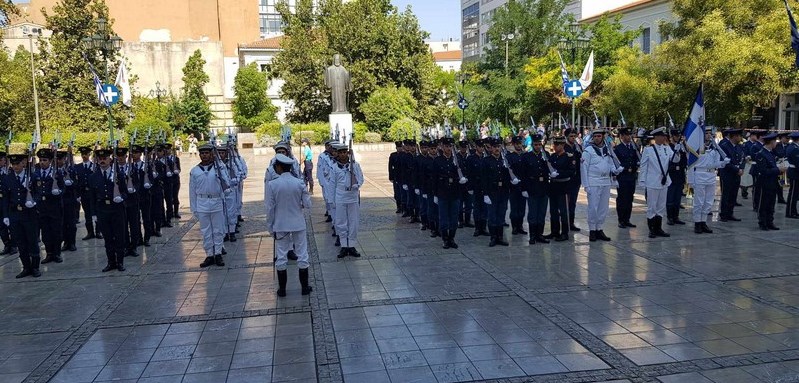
{"type": "Point", "coordinates": [646, 40]}
{"type": "Point", "coordinates": [266, 68]}
{"type": "Point", "coordinates": [471, 20]}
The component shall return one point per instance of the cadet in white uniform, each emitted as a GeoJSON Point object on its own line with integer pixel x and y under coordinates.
{"type": "Point", "coordinates": [702, 177]}
{"type": "Point", "coordinates": [654, 176]}
{"type": "Point", "coordinates": [325, 165]}
{"type": "Point", "coordinates": [206, 193]}
{"type": "Point", "coordinates": [231, 199]}
{"type": "Point", "coordinates": [286, 197]}
{"type": "Point", "coordinates": [284, 149]}
{"type": "Point", "coordinates": [597, 171]}
{"type": "Point", "coordinates": [347, 180]}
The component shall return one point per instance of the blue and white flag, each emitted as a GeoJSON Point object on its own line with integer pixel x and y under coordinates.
{"type": "Point", "coordinates": [564, 73]}
{"type": "Point", "coordinates": [98, 85]}
{"type": "Point", "coordinates": [694, 130]}
{"type": "Point", "coordinates": [794, 33]}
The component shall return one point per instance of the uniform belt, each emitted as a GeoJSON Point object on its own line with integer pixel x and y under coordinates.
{"type": "Point", "coordinates": [209, 195]}
{"type": "Point", "coordinates": [709, 170]}
{"type": "Point", "coordinates": [559, 180]}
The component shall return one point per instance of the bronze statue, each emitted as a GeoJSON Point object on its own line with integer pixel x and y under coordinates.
{"type": "Point", "coordinates": [337, 79]}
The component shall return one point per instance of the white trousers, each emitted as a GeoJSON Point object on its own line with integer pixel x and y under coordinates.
{"type": "Point", "coordinates": [598, 205]}
{"type": "Point", "coordinates": [291, 240]}
{"type": "Point", "coordinates": [703, 201]}
{"type": "Point", "coordinates": [656, 202]}
{"type": "Point", "coordinates": [230, 208]}
{"type": "Point", "coordinates": [212, 227]}
{"type": "Point", "coordinates": [346, 220]}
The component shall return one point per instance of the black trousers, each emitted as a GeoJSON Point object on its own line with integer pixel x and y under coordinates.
{"type": "Point", "coordinates": [624, 199]}
{"type": "Point", "coordinates": [730, 183]}
{"type": "Point", "coordinates": [51, 222]}
{"type": "Point", "coordinates": [558, 214]}
{"type": "Point", "coordinates": [175, 199]}
{"type": "Point", "coordinates": [133, 218]}
{"type": "Point", "coordinates": [765, 211]}
{"type": "Point", "coordinates": [85, 202]}
{"type": "Point", "coordinates": [145, 208]}
{"type": "Point", "coordinates": [69, 226]}
{"type": "Point", "coordinates": [5, 235]}
{"type": "Point", "coordinates": [168, 198]}
{"type": "Point", "coordinates": [157, 209]}
{"type": "Point", "coordinates": [573, 192]}
{"type": "Point", "coordinates": [25, 231]}
{"type": "Point", "coordinates": [111, 223]}
{"type": "Point", "coordinates": [793, 197]}
{"type": "Point", "coordinates": [756, 194]}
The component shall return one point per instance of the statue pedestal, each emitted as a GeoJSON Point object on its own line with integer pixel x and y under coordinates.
{"type": "Point", "coordinates": [344, 122]}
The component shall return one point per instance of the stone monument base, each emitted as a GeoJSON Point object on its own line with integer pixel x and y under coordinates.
{"type": "Point", "coordinates": [344, 123]}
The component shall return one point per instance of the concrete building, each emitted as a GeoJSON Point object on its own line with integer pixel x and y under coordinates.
{"type": "Point", "coordinates": [448, 60]}
{"type": "Point", "coordinates": [643, 15]}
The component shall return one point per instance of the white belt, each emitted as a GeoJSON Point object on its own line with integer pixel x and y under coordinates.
{"type": "Point", "coordinates": [709, 170]}
{"type": "Point", "coordinates": [209, 196]}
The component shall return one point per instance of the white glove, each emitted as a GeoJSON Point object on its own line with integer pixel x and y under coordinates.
{"type": "Point", "coordinates": [515, 181]}
{"type": "Point", "coordinates": [525, 194]}
{"type": "Point", "coordinates": [77, 199]}
{"type": "Point", "coordinates": [726, 161]}
{"type": "Point", "coordinates": [554, 174]}
{"type": "Point", "coordinates": [417, 191]}
{"type": "Point", "coordinates": [471, 192]}
{"type": "Point", "coordinates": [424, 196]}
{"type": "Point", "coordinates": [68, 182]}
{"type": "Point", "coordinates": [6, 222]}
{"type": "Point", "coordinates": [435, 200]}
{"type": "Point", "coordinates": [404, 187]}
{"type": "Point", "coordinates": [228, 191]}
{"type": "Point", "coordinates": [234, 182]}
{"type": "Point", "coordinates": [169, 174]}
{"type": "Point", "coordinates": [487, 200]}
{"type": "Point", "coordinates": [147, 185]}
{"type": "Point", "coordinates": [30, 204]}
{"type": "Point", "coordinates": [618, 170]}
{"type": "Point", "coordinates": [155, 174]}
{"type": "Point", "coordinates": [463, 180]}
{"type": "Point", "coordinates": [55, 192]}
{"type": "Point", "coordinates": [94, 219]}
{"type": "Point", "coordinates": [118, 199]}
{"type": "Point", "coordinates": [356, 187]}
{"type": "Point", "coordinates": [131, 190]}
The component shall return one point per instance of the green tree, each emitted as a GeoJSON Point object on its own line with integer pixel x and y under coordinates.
{"type": "Point", "coordinates": [192, 112]}
{"type": "Point", "coordinates": [252, 106]}
{"type": "Point", "coordinates": [405, 128]}
{"type": "Point", "coordinates": [16, 92]}
{"type": "Point", "coordinates": [387, 105]}
{"type": "Point", "coordinates": [67, 94]}
{"type": "Point", "coordinates": [7, 9]}
{"type": "Point", "coordinates": [149, 114]}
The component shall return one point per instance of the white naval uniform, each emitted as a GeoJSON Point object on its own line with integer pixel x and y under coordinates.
{"type": "Point", "coordinates": [650, 176]}
{"type": "Point", "coordinates": [347, 201]}
{"type": "Point", "coordinates": [596, 173]}
{"type": "Point", "coordinates": [232, 198]}
{"type": "Point", "coordinates": [286, 197]}
{"type": "Point", "coordinates": [206, 203]}
{"type": "Point", "coordinates": [324, 174]}
{"type": "Point", "coordinates": [702, 177]}
{"type": "Point", "coordinates": [241, 167]}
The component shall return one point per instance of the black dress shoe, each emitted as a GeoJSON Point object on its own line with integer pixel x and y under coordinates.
{"type": "Point", "coordinates": [291, 255]}
{"type": "Point", "coordinates": [737, 204]}
{"type": "Point", "coordinates": [763, 227]}
{"type": "Point", "coordinates": [592, 236]}
{"type": "Point", "coordinates": [600, 235]}
{"type": "Point", "coordinates": [131, 253]}
{"type": "Point", "coordinates": [354, 252]}
{"type": "Point", "coordinates": [24, 273]}
{"type": "Point", "coordinates": [622, 225]}
{"type": "Point", "coordinates": [342, 253]}
{"type": "Point", "coordinates": [772, 227]}
{"type": "Point", "coordinates": [226, 238]}
{"type": "Point", "coordinates": [178, 216]}
{"type": "Point", "coordinates": [574, 228]}
{"type": "Point", "coordinates": [218, 260]}
{"type": "Point", "coordinates": [233, 237]}
{"type": "Point", "coordinates": [121, 268]}
{"type": "Point", "coordinates": [57, 258]}
{"type": "Point", "coordinates": [72, 247]}
{"type": "Point", "coordinates": [734, 219]}
{"type": "Point", "coordinates": [98, 236]}
{"type": "Point", "coordinates": [108, 268]}
{"type": "Point", "coordinates": [628, 224]}
{"type": "Point", "coordinates": [209, 261]}
{"type": "Point", "coordinates": [146, 243]}
{"type": "Point", "coordinates": [329, 219]}
{"type": "Point", "coordinates": [677, 221]}
{"type": "Point", "coordinates": [561, 238]}
{"type": "Point", "coordinates": [47, 259]}
{"type": "Point", "coordinates": [36, 273]}
{"type": "Point", "coordinates": [65, 247]}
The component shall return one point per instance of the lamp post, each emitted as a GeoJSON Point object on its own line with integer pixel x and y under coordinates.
{"type": "Point", "coordinates": [104, 41]}
{"type": "Point", "coordinates": [30, 33]}
{"type": "Point", "coordinates": [158, 92]}
{"type": "Point", "coordinates": [507, 38]}
{"type": "Point", "coordinates": [574, 42]}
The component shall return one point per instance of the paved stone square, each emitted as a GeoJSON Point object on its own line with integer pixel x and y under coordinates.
{"type": "Point", "coordinates": [720, 307]}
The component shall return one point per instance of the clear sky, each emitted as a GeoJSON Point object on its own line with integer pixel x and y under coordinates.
{"type": "Point", "coordinates": [439, 17]}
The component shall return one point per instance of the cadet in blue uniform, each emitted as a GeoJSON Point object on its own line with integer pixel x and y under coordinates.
{"type": "Point", "coordinates": [168, 183]}
{"type": "Point", "coordinates": [730, 174]}
{"type": "Point", "coordinates": [767, 173]}
{"type": "Point", "coordinates": [172, 155]}
{"type": "Point", "coordinates": [792, 151]}
{"type": "Point", "coordinates": [677, 173]}
{"type": "Point", "coordinates": [157, 213]}
{"type": "Point", "coordinates": [393, 170]}
{"type": "Point", "coordinates": [423, 169]}
{"type": "Point", "coordinates": [534, 173]}
{"type": "Point", "coordinates": [9, 248]}
{"type": "Point", "coordinates": [408, 166]}
{"type": "Point", "coordinates": [474, 164]}
{"type": "Point", "coordinates": [467, 200]}
{"type": "Point", "coordinates": [574, 147]}
{"type": "Point", "coordinates": [143, 183]}
{"type": "Point", "coordinates": [496, 188]}
{"type": "Point", "coordinates": [70, 201]}
{"type": "Point", "coordinates": [565, 165]}
{"type": "Point", "coordinates": [752, 150]}
{"type": "Point", "coordinates": [108, 191]}
{"type": "Point", "coordinates": [446, 192]}
{"type": "Point", "coordinates": [20, 214]}
{"type": "Point", "coordinates": [629, 158]}
{"type": "Point", "coordinates": [84, 170]}
{"type": "Point", "coordinates": [50, 204]}
{"type": "Point", "coordinates": [779, 152]}
{"type": "Point", "coordinates": [133, 232]}
{"type": "Point", "coordinates": [518, 204]}
{"type": "Point", "coordinates": [428, 179]}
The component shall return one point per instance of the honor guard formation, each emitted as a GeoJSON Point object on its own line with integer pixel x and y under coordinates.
{"type": "Point", "coordinates": [489, 181]}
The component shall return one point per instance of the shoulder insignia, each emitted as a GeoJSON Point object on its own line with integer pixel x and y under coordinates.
{"type": "Point", "coordinates": [570, 154]}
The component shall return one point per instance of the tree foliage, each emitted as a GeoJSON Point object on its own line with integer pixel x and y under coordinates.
{"type": "Point", "coordinates": [386, 105]}
{"type": "Point", "coordinates": [192, 112]}
{"type": "Point", "coordinates": [16, 91]}
{"type": "Point", "coordinates": [7, 10]}
{"type": "Point", "coordinates": [252, 106]}
{"type": "Point", "coordinates": [379, 45]}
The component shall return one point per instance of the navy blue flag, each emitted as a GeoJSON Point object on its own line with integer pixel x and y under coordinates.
{"type": "Point", "coordinates": [794, 33]}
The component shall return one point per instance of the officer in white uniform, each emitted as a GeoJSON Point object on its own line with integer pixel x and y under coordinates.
{"type": "Point", "coordinates": [325, 165]}
{"type": "Point", "coordinates": [242, 170]}
{"type": "Point", "coordinates": [286, 197]}
{"type": "Point", "coordinates": [206, 193]}
{"type": "Point", "coordinates": [597, 171]}
{"type": "Point", "coordinates": [654, 176]}
{"type": "Point", "coordinates": [347, 180]}
{"type": "Point", "coordinates": [284, 149]}
{"type": "Point", "coordinates": [231, 199]}
{"type": "Point", "coordinates": [702, 177]}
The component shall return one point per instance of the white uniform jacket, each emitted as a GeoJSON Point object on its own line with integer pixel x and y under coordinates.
{"type": "Point", "coordinates": [286, 197]}
{"type": "Point", "coordinates": [596, 167]}
{"type": "Point", "coordinates": [272, 174]}
{"type": "Point", "coordinates": [650, 172]}
{"type": "Point", "coordinates": [704, 170]}
{"type": "Point", "coordinates": [347, 183]}
{"type": "Point", "coordinates": [205, 190]}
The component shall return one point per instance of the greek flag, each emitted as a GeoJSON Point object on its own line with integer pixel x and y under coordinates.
{"type": "Point", "coordinates": [794, 33]}
{"type": "Point", "coordinates": [98, 85]}
{"type": "Point", "coordinates": [564, 73]}
{"type": "Point", "coordinates": [694, 130]}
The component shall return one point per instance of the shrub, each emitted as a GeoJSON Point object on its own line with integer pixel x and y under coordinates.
{"type": "Point", "coordinates": [372, 138]}
{"type": "Point", "coordinates": [386, 105]}
{"type": "Point", "coordinates": [404, 129]}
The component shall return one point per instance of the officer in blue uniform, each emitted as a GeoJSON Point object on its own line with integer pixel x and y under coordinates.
{"type": "Point", "coordinates": [467, 200]}
{"type": "Point", "coordinates": [433, 219]}
{"type": "Point", "coordinates": [21, 215]}
{"type": "Point", "coordinates": [9, 248]}
{"type": "Point", "coordinates": [50, 204]}
{"type": "Point", "coordinates": [133, 232]}
{"type": "Point", "coordinates": [752, 150]}
{"type": "Point", "coordinates": [168, 183]}
{"type": "Point", "coordinates": [70, 201]}
{"type": "Point", "coordinates": [767, 173]}
{"type": "Point", "coordinates": [474, 187]}
{"type": "Point", "coordinates": [565, 165]}
{"type": "Point", "coordinates": [173, 157]}
{"type": "Point", "coordinates": [779, 152]}
{"type": "Point", "coordinates": [677, 172]}
{"type": "Point", "coordinates": [107, 186]}
{"type": "Point", "coordinates": [424, 164]}
{"type": "Point", "coordinates": [446, 192]}
{"type": "Point", "coordinates": [629, 159]}
{"type": "Point", "coordinates": [518, 204]}
{"type": "Point", "coordinates": [157, 213]}
{"type": "Point", "coordinates": [496, 188]}
{"type": "Point", "coordinates": [84, 170]}
{"type": "Point", "coordinates": [574, 147]}
{"type": "Point", "coordinates": [143, 187]}
{"type": "Point", "coordinates": [792, 153]}
{"type": "Point", "coordinates": [534, 173]}
{"type": "Point", "coordinates": [393, 170]}
{"type": "Point", "coordinates": [730, 174]}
